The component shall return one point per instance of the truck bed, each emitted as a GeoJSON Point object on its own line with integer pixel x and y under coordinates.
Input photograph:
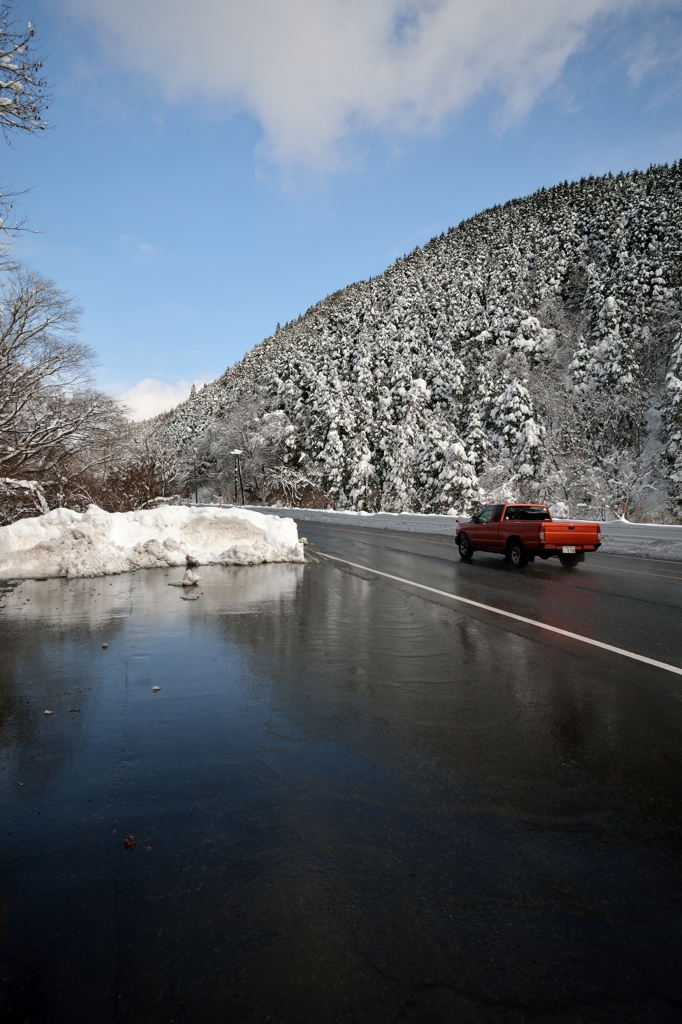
{"type": "Point", "coordinates": [582, 536]}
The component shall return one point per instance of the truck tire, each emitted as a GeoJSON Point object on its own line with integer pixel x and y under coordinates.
{"type": "Point", "coordinates": [516, 554]}
{"type": "Point", "coordinates": [569, 561]}
{"type": "Point", "coordinates": [465, 548]}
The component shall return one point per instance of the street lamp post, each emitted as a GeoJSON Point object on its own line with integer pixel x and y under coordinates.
{"type": "Point", "coordinates": [237, 452]}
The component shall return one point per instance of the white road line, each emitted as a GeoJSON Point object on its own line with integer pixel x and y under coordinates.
{"type": "Point", "coordinates": [512, 615]}
{"type": "Point", "coordinates": [450, 543]}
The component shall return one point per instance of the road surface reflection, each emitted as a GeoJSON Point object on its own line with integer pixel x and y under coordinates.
{"type": "Point", "coordinates": [346, 803]}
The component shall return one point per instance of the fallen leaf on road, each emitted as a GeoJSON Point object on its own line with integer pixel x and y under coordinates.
{"type": "Point", "coordinates": [74, 710]}
{"type": "Point", "coordinates": [130, 843]}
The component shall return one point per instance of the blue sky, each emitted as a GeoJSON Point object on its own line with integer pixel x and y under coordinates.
{"type": "Point", "coordinates": [206, 178]}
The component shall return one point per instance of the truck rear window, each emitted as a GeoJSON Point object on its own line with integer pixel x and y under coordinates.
{"type": "Point", "coordinates": [527, 513]}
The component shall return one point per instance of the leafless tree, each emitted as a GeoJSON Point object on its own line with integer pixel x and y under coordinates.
{"type": "Point", "coordinates": [268, 468]}
{"type": "Point", "coordinates": [23, 95]}
{"type": "Point", "coordinates": [56, 430]}
{"type": "Point", "coordinates": [128, 475]}
{"type": "Point", "coordinates": [599, 457]}
{"type": "Point", "coordinates": [55, 427]}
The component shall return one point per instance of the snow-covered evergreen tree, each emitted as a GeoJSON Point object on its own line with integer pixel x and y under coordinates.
{"type": "Point", "coordinates": [528, 347]}
{"type": "Point", "coordinates": [672, 452]}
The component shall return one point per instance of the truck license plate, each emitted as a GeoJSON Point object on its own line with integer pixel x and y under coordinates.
{"type": "Point", "coordinates": [569, 549]}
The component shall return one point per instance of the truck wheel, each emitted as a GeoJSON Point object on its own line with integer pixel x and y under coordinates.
{"type": "Point", "coordinates": [465, 548]}
{"type": "Point", "coordinates": [516, 554]}
{"type": "Point", "coordinates": [569, 561]}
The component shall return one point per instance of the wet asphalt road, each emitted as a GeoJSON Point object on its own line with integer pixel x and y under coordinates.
{"type": "Point", "coordinates": [632, 603]}
{"type": "Point", "coordinates": [351, 801]}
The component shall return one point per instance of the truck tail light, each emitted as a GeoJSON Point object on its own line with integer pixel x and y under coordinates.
{"type": "Point", "coordinates": [541, 535]}
{"type": "Point", "coordinates": [599, 534]}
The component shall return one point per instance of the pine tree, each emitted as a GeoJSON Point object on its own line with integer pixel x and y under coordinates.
{"type": "Point", "coordinates": [540, 331]}
{"type": "Point", "coordinates": [672, 419]}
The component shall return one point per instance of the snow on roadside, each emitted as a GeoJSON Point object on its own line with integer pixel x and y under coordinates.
{"type": "Point", "coordinates": [643, 540]}
{"type": "Point", "coordinates": [98, 543]}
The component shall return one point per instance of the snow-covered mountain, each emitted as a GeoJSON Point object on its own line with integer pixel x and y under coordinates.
{"type": "Point", "coordinates": [534, 351]}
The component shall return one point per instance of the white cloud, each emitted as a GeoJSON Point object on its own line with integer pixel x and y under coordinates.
{"type": "Point", "coordinates": [657, 49]}
{"type": "Point", "coordinates": [143, 248]}
{"type": "Point", "coordinates": [315, 72]}
{"type": "Point", "coordinates": [149, 397]}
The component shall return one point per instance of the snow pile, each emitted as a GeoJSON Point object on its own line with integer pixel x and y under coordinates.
{"type": "Point", "coordinates": [98, 543]}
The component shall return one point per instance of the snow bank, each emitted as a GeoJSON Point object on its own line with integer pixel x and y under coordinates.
{"type": "Point", "coordinates": [409, 522]}
{"type": "Point", "coordinates": [646, 540]}
{"type": "Point", "coordinates": [98, 543]}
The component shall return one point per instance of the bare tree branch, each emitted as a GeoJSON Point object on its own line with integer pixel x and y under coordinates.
{"type": "Point", "coordinates": [54, 425]}
{"type": "Point", "coordinates": [23, 96]}
{"type": "Point", "coordinates": [23, 100]}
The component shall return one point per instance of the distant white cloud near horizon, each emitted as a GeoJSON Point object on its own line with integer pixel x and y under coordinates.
{"type": "Point", "coordinates": [315, 73]}
{"type": "Point", "coordinates": [150, 396]}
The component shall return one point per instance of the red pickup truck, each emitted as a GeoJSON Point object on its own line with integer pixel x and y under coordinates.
{"type": "Point", "coordinates": [520, 532]}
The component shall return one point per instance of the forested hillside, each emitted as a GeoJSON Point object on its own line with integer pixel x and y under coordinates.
{"type": "Point", "coordinates": [534, 351]}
